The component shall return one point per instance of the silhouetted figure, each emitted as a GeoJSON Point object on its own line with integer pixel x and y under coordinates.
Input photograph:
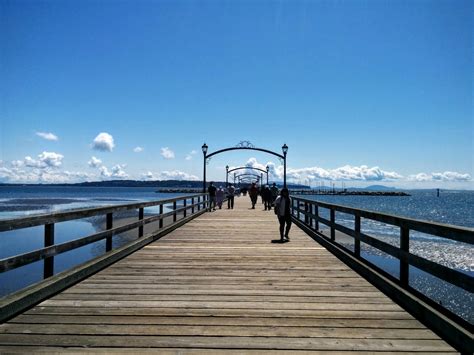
{"type": "Point", "coordinates": [267, 198]}
{"type": "Point", "coordinates": [230, 197]}
{"type": "Point", "coordinates": [253, 193]}
{"type": "Point", "coordinates": [283, 212]}
{"type": "Point", "coordinates": [212, 196]}
{"type": "Point", "coordinates": [275, 192]}
{"type": "Point", "coordinates": [220, 197]}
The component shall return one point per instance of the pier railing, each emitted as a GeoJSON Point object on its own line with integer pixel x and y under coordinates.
{"type": "Point", "coordinates": [308, 215]}
{"type": "Point", "coordinates": [179, 211]}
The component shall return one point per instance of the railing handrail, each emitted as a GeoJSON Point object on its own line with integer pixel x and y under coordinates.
{"type": "Point", "coordinates": [448, 231]}
{"type": "Point", "coordinates": [62, 216]}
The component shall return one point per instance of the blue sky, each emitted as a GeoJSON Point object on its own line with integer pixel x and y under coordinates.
{"type": "Point", "coordinates": [361, 91]}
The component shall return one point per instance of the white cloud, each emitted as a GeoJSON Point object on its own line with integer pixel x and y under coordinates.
{"type": "Point", "coordinates": [167, 153]}
{"type": "Point", "coordinates": [445, 176]}
{"type": "Point", "coordinates": [94, 162]}
{"type": "Point", "coordinates": [45, 159]}
{"type": "Point", "coordinates": [138, 149]}
{"type": "Point", "coordinates": [103, 142]}
{"type": "Point", "coordinates": [176, 175]}
{"type": "Point", "coordinates": [104, 172]}
{"type": "Point", "coordinates": [190, 155]}
{"type": "Point", "coordinates": [168, 175]}
{"type": "Point", "coordinates": [148, 176]}
{"type": "Point", "coordinates": [42, 175]}
{"type": "Point", "coordinates": [17, 163]}
{"type": "Point", "coordinates": [47, 135]}
{"type": "Point", "coordinates": [51, 159]}
{"type": "Point", "coordinates": [344, 173]}
{"type": "Point", "coordinates": [118, 172]}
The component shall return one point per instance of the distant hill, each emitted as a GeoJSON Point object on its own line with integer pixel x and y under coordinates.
{"type": "Point", "coordinates": [138, 183]}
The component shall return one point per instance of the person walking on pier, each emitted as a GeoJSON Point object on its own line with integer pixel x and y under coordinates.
{"type": "Point", "coordinates": [220, 197]}
{"type": "Point", "coordinates": [275, 192]}
{"type": "Point", "coordinates": [267, 198]}
{"type": "Point", "coordinates": [253, 193]}
{"type": "Point", "coordinates": [230, 197]}
{"type": "Point", "coordinates": [283, 212]}
{"type": "Point", "coordinates": [212, 196]}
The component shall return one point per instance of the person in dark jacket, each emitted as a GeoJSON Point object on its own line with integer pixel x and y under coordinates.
{"type": "Point", "coordinates": [212, 196]}
{"type": "Point", "coordinates": [267, 198]}
{"type": "Point", "coordinates": [283, 212]}
{"type": "Point", "coordinates": [253, 193]}
{"type": "Point", "coordinates": [230, 197]}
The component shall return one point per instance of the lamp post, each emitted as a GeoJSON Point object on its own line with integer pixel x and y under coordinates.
{"type": "Point", "coordinates": [227, 176]}
{"type": "Point", "coordinates": [204, 152]}
{"type": "Point", "coordinates": [267, 173]}
{"type": "Point", "coordinates": [285, 150]}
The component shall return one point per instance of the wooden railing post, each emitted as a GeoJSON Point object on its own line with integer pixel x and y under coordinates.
{"type": "Point", "coordinates": [192, 207]}
{"type": "Point", "coordinates": [48, 241]}
{"type": "Point", "coordinates": [316, 213]}
{"type": "Point", "coordinates": [140, 217]}
{"type": "Point", "coordinates": [404, 247]}
{"type": "Point", "coordinates": [298, 209]}
{"type": "Point", "coordinates": [199, 203]}
{"type": "Point", "coordinates": [357, 235]}
{"type": "Point", "coordinates": [161, 220]}
{"type": "Point", "coordinates": [184, 211]}
{"type": "Point", "coordinates": [109, 225]}
{"type": "Point", "coordinates": [306, 208]}
{"type": "Point", "coordinates": [333, 221]}
{"type": "Point", "coordinates": [174, 209]}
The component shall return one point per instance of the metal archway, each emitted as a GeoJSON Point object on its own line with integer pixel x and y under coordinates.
{"type": "Point", "coordinates": [250, 176]}
{"type": "Point", "coordinates": [244, 168]}
{"type": "Point", "coordinates": [243, 145]}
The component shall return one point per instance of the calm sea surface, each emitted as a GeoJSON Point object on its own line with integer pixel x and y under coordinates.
{"type": "Point", "coordinates": [452, 207]}
{"type": "Point", "coordinates": [24, 201]}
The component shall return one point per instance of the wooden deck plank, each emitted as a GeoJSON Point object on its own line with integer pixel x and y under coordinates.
{"type": "Point", "coordinates": [219, 284]}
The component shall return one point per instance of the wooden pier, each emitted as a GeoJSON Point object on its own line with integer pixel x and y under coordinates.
{"type": "Point", "coordinates": [217, 284]}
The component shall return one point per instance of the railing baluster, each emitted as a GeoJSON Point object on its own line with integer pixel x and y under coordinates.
{"type": "Point", "coordinates": [48, 270]}
{"type": "Point", "coordinates": [161, 220]}
{"type": "Point", "coordinates": [140, 217]}
{"type": "Point", "coordinates": [192, 203]}
{"type": "Point", "coordinates": [109, 225]}
{"type": "Point", "coordinates": [404, 247]}
{"type": "Point", "coordinates": [357, 235]}
{"type": "Point", "coordinates": [298, 209]}
{"type": "Point", "coordinates": [174, 209]}
{"type": "Point", "coordinates": [333, 221]}
{"type": "Point", "coordinates": [184, 212]}
{"type": "Point", "coordinates": [199, 203]}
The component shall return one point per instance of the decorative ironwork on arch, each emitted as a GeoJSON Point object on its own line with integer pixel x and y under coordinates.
{"type": "Point", "coordinates": [247, 167]}
{"type": "Point", "coordinates": [244, 145]}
